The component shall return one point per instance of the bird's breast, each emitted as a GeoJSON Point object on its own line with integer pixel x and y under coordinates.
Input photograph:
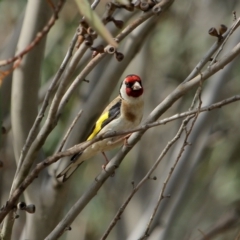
{"type": "Point", "coordinates": [130, 116]}
{"type": "Point", "coordinates": [132, 112]}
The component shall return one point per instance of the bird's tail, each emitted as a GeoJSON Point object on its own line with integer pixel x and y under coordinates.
{"type": "Point", "coordinates": [68, 171]}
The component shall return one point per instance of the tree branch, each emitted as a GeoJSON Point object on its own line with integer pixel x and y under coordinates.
{"type": "Point", "coordinates": [145, 178]}
{"type": "Point", "coordinates": [211, 51]}
{"type": "Point", "coordinates": [182, 149]}
{"type": "Point", "coordinates": [38, 37]}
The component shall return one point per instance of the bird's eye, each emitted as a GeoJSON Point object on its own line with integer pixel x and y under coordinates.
{"type": "Point", "coordinates": [128, 85]}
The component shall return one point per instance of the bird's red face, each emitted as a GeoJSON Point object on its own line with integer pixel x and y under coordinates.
{"type": "Point", "coordinates": [133, 86]}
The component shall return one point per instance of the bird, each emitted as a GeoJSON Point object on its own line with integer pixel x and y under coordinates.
{"type": "Point", "coordinates": [124, 113]}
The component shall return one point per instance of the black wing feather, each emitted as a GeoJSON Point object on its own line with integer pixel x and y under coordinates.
{"type": "Point", "coordinates": [114, 111]}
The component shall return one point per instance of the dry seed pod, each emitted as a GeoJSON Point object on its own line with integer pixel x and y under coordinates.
{"type": "Point", "coordinates": [94, 54]}
{"type": "Point", "coordinates": [222, 29]}
{"type": "Point", "coordinates": [110, 49]}
{"type": "Point", "coordinates": [110, 6]}
{"type": "Point", "coordinates": [68, 228]}
{"type": "Point", "coordinates": [119, 56]}
{"type": "Point", "coordinates": [30, 208]}
{"type": "Point", "coordinates": [137, 4]}
{"type": "Point", "coordinates": [129, 7]}
{"type": "Point", "coordinates": [151, 3]}
{"type": "Point", "coordinates": [91, 32]}
{"type": "Point", "coordinates": [213, 32]}
{"type": "Point", "coordinates": [87, 36]}
{"type": "Point", "coordinates": [21, 205]}
{"type": "Point", "coordinates": [118, 23]}
{"type": "Point", "coordinates": [156, 9]}
{"type": "Point", "coordinates": [99, 48]}
{"type": "Point", "coordinates": [88, 40]}
{"type": "Point", "coordinates": [144, 6]}
{"type": "Point", "coordinates": [78, 30]}
{"type": "Point", "coordinates": [81, 31]}
{"type": "Point", "coordinates": [84, 24]}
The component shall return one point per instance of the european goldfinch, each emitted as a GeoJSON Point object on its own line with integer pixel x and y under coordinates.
{"type": "Point", "coordinates": [123, 113]}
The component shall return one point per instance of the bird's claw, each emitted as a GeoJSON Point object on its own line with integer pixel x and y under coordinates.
{"type": "Point", "coordinates": [126, 144]}
{"type": "Point", "coordinates": [104, 168]}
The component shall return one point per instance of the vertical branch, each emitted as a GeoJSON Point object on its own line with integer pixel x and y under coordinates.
{"type": "Point", "coordinates": [25, 85]}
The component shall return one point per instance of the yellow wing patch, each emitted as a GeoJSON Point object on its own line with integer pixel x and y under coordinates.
{"type": "Point", "coordinates": [98, 125]}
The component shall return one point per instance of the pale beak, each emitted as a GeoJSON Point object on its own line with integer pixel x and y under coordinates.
{"type": "Point", "coordinates": [136, 86]}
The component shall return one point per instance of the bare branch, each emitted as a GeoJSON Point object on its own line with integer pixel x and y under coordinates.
{"type": "Point", "coordinates": [182, 149]}
{"type": "Point", "coordinates": [227, 222]}
{"type": "Point", "coordinates": [69, 131]}
{"type": "Point", "coordinates": [146, 177]}
{"type": "Point", "coordinates": [34, 130]}
{"type": "Point", "coordinates": [26, 79]}
{"type": "Point", "coordinates": [209, 54]}
{"type": "Point", "coordinates": [51, 121]}
{"type": "Point", "coordinates": [38, 38]}
{"type": "Point", "coordinates": [228, 34]}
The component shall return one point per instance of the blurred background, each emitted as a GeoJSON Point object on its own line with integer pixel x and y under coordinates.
{"type": "Point", "coordinates": [204, 188]}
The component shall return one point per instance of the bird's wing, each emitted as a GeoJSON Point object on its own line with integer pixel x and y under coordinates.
{"type": "Point", "coordinates": [110, 113]}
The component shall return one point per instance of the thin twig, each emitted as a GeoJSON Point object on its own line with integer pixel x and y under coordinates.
{"type": "Point", "coordinates": [34, 130]}
{"type": "Point", "coordinates": [38, 37]}
{"type": "Point", "coordinates": [196, 96]}
{"type": "Point", "coordinates": [225, 223]}
{"type": "Point", "coordinates": [238, 236]}
{"type": "Point", "coordinates": [161, 195]}
{"type": "Point", "coordinates": [229, 33]}
{"type": "Point", "coordinates": [185, 114]}
{"type": "Point", "coordinates": [49, 22]}
{"type": "Point", "coordinates": [146, 177]}
{"type": "Point", "coordinates": [3, 74]}
{"type": "Point", "coordinates": [182, 149]}
{"type": "Point", "coordinates": [203, 234]}
{"type": "Point", "coordinates": [50, 120]}
{"type": "Point", "coordinates": [69, 131]}
{"type": "Point", "coordinates": [94, 4]}
{"type": "Point", "coordinates": [209, 54]}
